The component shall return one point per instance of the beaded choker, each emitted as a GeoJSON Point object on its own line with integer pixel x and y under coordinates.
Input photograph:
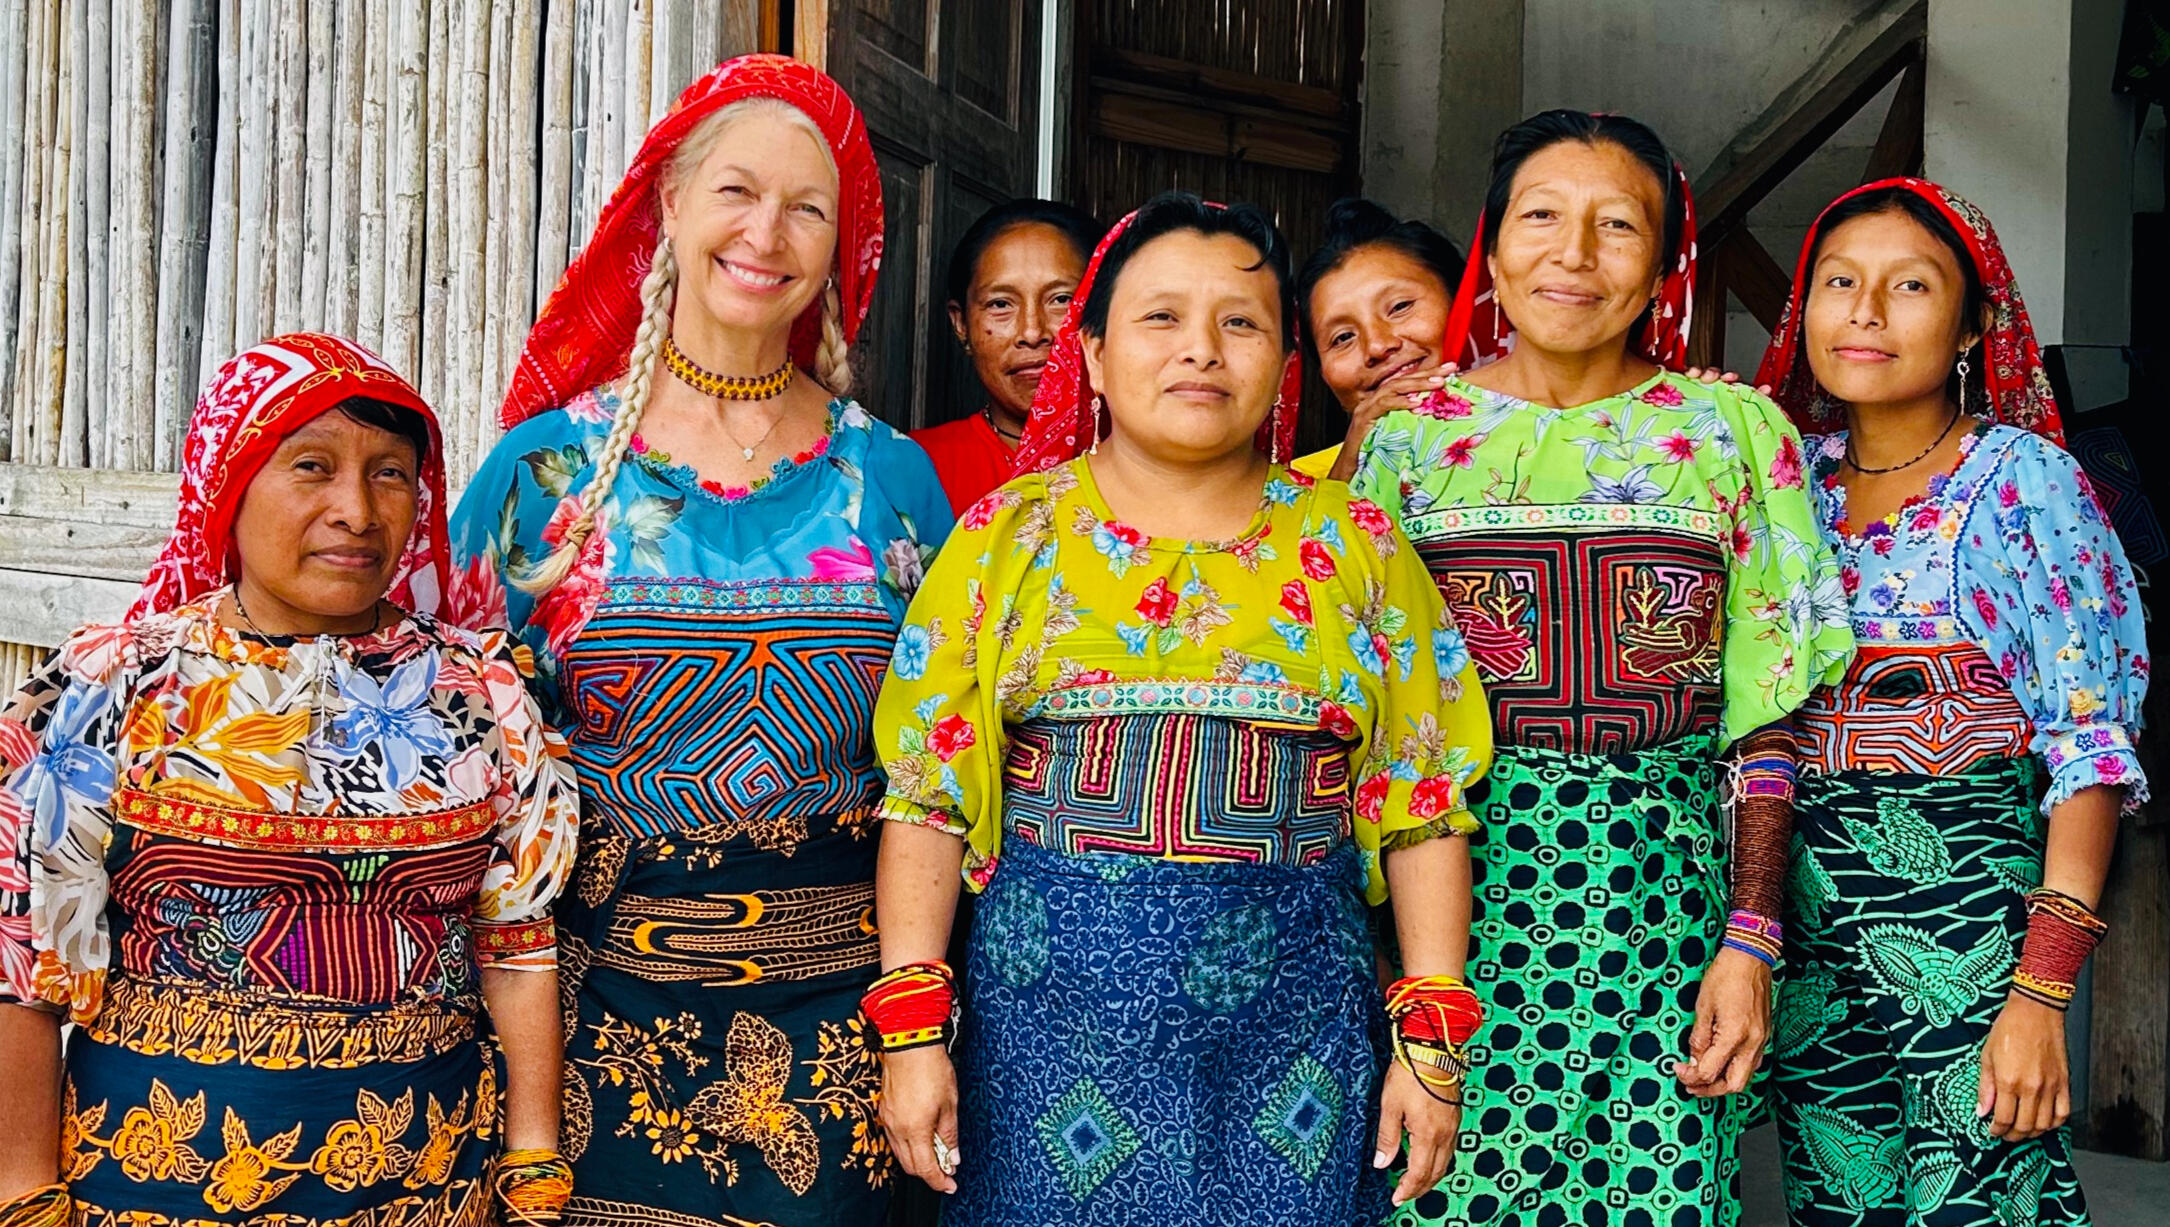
{"type": "Point", "coordinates": [726, 387]}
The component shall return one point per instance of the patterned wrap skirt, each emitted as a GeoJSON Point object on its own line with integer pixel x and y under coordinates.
{"type": "Point", "coordinates": [1599, 900]}
{"type": "Point", "coordinates": [190, 1105]}
{"type": "Point", "coordinates": [1906, 914]}
{"type": "Point", "coordinates": [1159, 1041]}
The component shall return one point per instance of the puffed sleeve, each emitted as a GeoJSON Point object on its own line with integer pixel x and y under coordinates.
{"type": "Point", "coordinates": [1390, 459]}
{"type": "Point", "coordinates": [922, 518]}
{"type": "Point", "coordinates": [938, 724]}
{"type": "Point", "coordinates": [538, 821]}
{"type": "Point", "coordinates": [59, 738]}
{"type": "Point", "coordinates": [2046, 588]}
{"type": "Point", "coordinates": [1424, 732]}
{"type": "Point", "coordinates": [1786, 625]}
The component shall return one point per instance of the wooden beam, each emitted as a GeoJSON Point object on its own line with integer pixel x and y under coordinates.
{"type": "Point", "coordinates": [43, 610]}
{"type": "Point", "coordinates": [2128, 1083]}
{"type": "Point", "coordinates": [1723, 206]}
{"type": "Point", "coordinates": [1899, 145]}
{"type": "Point", "coordinates": [810, 32]}
{"type": "Point", "coordinates": [1171, 125]}
{"type": "Point", "coordinates": [1207, 85]}
{"type": "Point", "coordinates": [1751, 275]}
{"type": "Point", "coordinates": [1706, 328]}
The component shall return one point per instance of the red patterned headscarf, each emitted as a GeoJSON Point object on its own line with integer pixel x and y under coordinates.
{"type": "Point", "coordinates": [262, 395]}
{"type": "Point", "coordinates": [1478, 330]}
{"type": "Point", "coordinates": [1065, 417]}
{"type": "Point", "coordinates": [586, 329]}
{"type": "Point", "coordinates": [2017, 385]}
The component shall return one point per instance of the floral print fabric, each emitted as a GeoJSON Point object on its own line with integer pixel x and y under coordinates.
{"type": "Point", "coordinates": [1716, 462]}
{"type": "Point", "coordinates": [1319, 615]}
{"type": "Point", "coordinates": [176, 728]}
{"type": "Point", "coordinates": [2009, 551]}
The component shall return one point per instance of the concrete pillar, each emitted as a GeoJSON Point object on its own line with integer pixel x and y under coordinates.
{"type": "Point", "coordinates": [1441, 78]}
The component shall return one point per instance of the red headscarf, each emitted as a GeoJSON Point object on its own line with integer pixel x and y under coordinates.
{"type": "Point", "coordinates": [262, 395]}
{"type": "Point", "coordinates": [1065, 418]}
{"type": "Point", "coordinates": [586, 329]}
{"type": "Point", "coordinates": [2013, 376]}
{"type": "Point", "coordinates": [1478, 331]}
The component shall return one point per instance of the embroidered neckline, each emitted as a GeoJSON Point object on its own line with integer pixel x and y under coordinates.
{"type": "Point", "coordinates": [659, 462]}
{"type": "Point", "coordinates": [1242, 543]}
{"type": "Point", "coordinates": [1889, 525]}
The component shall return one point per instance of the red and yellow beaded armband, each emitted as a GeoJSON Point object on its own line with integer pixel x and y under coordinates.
{"type": "Point", "coordinates": [1433, 1018]}
{"type": "Point", "coordinates": [2061, 933]}
{"type": "Point", "coordinates": [912, 1006]}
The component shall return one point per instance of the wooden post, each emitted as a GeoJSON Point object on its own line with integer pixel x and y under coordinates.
{"type": "Point", "coordinates": [293, 176]}
{"type": "Point", "coordinates": [71, 444]}
{"type": "Point", "coordinates": [219, 258]}
{"type": "Point", "coordinates": [554, 196]}
{"type": "Point", "coordinates": [43, 420]}
{"type": "Point", "coordinates": [519, 269]}
{"type": "Point", "coordinates": [316, 214]}
{"type": "Point", "coordinates": [376, 115]}
{"type": "Point", "coordinates": [191, 128]}
{"type": "Point", "coordinates": [96, 153]}
{"type": "Point", "coordinates": [437, 241]}
{"type": "Point", "coordinates": [403, 241]}
{"type": "Point", "coordinates": [14, 134]}
{"type": "Point", "coordinates": [119, 359]}
{"type": "Point", "coordinates": [252, 168]}
{"type": "Point", "coordinates": [639, 35]}
{"type": "Point", "coordinates": [489, 337]}
{"type": "Point", "coordinates": [37, 93]}
{"type": "Point", "coordinates": [470, 205]}
{"type": "Point", "coordinates": [341, 240]}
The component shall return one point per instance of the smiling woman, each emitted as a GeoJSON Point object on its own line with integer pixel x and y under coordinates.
{"type": "Point", "coordinates": [709, 547]}
{"type": "Point", "coordinates": [286, 813]}
{"type": "Point", "coordinates": [1177, 712]}
{"type": "Point", "coordinates": [1634, 561]}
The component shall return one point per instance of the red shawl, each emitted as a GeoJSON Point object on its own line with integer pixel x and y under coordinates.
{"type": "Point", "coordinates": [585, 331]}
{"type": "Point", "coordinates": [262, 395]}
{"type": "Point", "coordinates": [2013, 376]}
{"type": "Point", "coordinates": [1478, 331]}
{"type": "Point", "coordinates": [1065, 418]}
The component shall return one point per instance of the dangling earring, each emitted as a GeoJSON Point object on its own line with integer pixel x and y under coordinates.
{"type": "Point", "coordinates": [1963, 369]}
{"type": "Point", "coordinates": [1273, 441]}
{"type": "Point", "coordinates": [1099, 406]}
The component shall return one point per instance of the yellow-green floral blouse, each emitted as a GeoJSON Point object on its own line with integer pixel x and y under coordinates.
{"type": "Point", "coordinates": [1319, 616]}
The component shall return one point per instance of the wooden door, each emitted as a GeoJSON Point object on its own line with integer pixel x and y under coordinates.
{"type": "Point", "coordinates": [950, 89]}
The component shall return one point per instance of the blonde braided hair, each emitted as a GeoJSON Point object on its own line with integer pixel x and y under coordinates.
{"type": "Point", "coordinates": [832, 362]}
{"type": "Point", "coordinates": [657, 294]}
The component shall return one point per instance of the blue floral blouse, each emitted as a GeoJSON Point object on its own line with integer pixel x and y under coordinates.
{"type": "Point", "coordinates": [2008, 551]}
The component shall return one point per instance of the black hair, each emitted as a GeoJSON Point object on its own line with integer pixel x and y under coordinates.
{"type": "Point", "coordinates": [1354, 223]}
{"type": "Point", "coordinates": [1975, 297]}
{"type": "Point", "coordinates": [1071, 222]}
{"type": "Point", "coordinates": [1548, 128]}
{"type": "Point", "coordinates": [1173, 211]}
{"type": "Point", "coordinates": [397, 419]}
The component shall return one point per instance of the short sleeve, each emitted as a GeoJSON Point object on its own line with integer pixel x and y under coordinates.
{"type": "Point", "coordinates": [923, 518]}
{"type": "Point", "coordinates": [59, 737]}
{"type": "Point", "coordinates": [2047, 589]}
{"type": "Point", "coordinates": [538, 821]}
{"type": "Point", "coordinates": [1426, 734]}
{"type": "Point", "coordinates": [938, 725]}
{"type": "Point", "coordinates": [1787, 629]}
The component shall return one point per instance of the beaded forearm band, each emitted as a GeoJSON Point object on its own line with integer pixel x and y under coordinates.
{"type": "Point", "coordinates": [1762, 775]}
{"type": "Point", "coordinates": [912, 1006]}
{"type": "Point", "coordinates": [1433, 1018]}
{"type": "Point", "coordinates": [2061, 933]}
{"type": "Point", "coordinates": [1759, 936]}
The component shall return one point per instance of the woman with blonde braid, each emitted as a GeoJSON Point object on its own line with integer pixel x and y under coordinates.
{"type": "Point", "coordinates": [709, 548]}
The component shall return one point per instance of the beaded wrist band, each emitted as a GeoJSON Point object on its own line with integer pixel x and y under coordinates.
{"type": "Point", "coordinates": [2061, 933]}
{"type": "Point", "coordinates": [913, 1006]}
{"type": "Point", "coordinates": [1759, 936]}
{"type": "Point", "coordinates": [533, 1186]}
{"type": "Point", "coordinates": [1433, 1019]}
{"type": "Point", "coordinates": [49, 1206]}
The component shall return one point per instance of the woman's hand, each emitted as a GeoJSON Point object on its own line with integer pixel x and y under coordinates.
{"type": "Point", "coordinates": [1732, 1021]}
{"type": "Point", "coordinates": [1711, 374]}
{"type": "Point", "coordinates": [1401, 392]}
{"type": "Point", "coordinates": [1405, 1106]}
{"type": "Point", "coordinates": [2026, 1083]}
{"type": "Point", "coordinates": [919, 1105]}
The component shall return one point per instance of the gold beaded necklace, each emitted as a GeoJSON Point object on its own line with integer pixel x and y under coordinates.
{"type": "Point", "coordinates": [726, 387]}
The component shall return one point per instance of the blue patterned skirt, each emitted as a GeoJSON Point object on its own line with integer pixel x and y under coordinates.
{"type": "Point", "coordinates": [1160, 1041]}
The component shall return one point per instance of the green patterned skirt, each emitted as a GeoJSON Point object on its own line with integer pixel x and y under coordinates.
{"type": "Point", "coordinates": [1905, 919]}
{"type": "Point", "coordinates": [1599, 901]}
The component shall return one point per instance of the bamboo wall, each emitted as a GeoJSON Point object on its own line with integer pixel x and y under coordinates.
{"type": "Point", "coordinates": [179, 178]}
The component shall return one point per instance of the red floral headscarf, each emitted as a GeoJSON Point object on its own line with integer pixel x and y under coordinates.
{"type": "Point", "coordinates": [2013, 377]}
{"type": "Point", "coordinates": [262, 395]}
{"type": "Point", "coordinates": [1478, 331]}
{"type": "Point", "coordinates": [586, 329]}
{"type": "Point", "coordinates": [1065, 417]}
